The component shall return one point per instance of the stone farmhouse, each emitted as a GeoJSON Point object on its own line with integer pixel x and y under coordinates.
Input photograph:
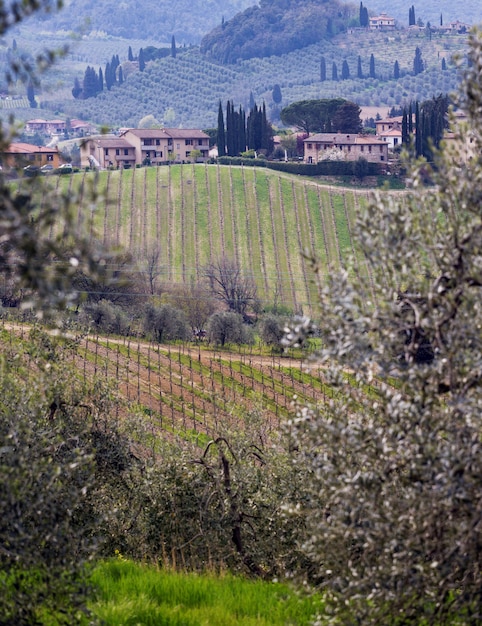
{"type": "Point", "coordinates": [344, 147]}
{"type": "Point", "coordinates": [144, 146]}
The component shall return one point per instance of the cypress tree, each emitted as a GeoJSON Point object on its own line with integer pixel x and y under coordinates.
{"type": "Point", "coordinates": [345, 70]}
{"type": "Point", "coordinates": [221, 138]}
{"type": "Point", "coordinates": [359, 72]}
{"type": "Point", "coordinates": [405, 135]}
{"type": "Point", "coordinates": [130, 56]}
{"type": "Point", "coordinates": [173, 47]}
{"type": "Point", "coordinates": [418, 131]}
{"type": "Point", "coordinates": [77, 89]}
{"type": "Point", "coordinates": [364, 20]}
{"type": "Point", "coordinates": [396, 70]}
{"type": "Point", "coordinates": [411, 16]}
{"type": "Point", "coordinates": [410, 119]}
{"type": "Point", "coordinates": [322, 69]}
{"type": "Point", "coordinates": [372, 66]}
{"type": "Point", "coordinates": [334, 71]}
{"type": "Point", "coordinates": [108, 76]}
{"type": "Point", "coordinates": [101, 80]}
{"type": "Point", "coordinates": [276, 94]}
{"type": "Point", "coordinates": [418, 65]}
{"type": "Point", "coordinates": [142, 63]}
{"type": "Point", "coordinates": [267, 134]}
{"type": "Point", "coordinates": [444, 64]}
{"type": "Point", "coordinates": [229, 130]}
{"type": "Point", "coordinates": [121, 76]}
{"type": "Point", "coordinates": [31, 95]}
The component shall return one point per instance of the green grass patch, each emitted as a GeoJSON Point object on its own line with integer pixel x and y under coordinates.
{"type": "Point", "coordinates": [132, 595]}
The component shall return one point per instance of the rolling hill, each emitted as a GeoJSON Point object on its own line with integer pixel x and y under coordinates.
{"type": "Point", "coordinates": [196, 214]}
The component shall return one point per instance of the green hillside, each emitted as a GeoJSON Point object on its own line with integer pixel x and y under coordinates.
{"type": "Point", "coordinates": [186, 90]}
{"type": "Point", "coordinates": [262, 219]}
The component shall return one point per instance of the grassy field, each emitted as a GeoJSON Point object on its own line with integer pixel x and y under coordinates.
{"type": "Point", "coordinates": [195, 214]}
{"type": "Point", "coordinates": [133, 594]}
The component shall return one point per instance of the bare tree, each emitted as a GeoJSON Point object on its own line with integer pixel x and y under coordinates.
{"type": "Point", "coordinates": [232, 286]}
{"type": "Point", "coordinates": [196, 302]}
{"type": "Point", "coordinates": [152, 269]}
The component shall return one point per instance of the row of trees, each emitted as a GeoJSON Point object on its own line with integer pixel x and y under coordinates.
{"type": "Point", "coordinates": [240, 132]}
{"type": "Point", "coordinates": [418, 67]}
{"type": "Point", "coordinates": [93, 82]}
{"type": "Point", "coordinates": [424, 124]}
{"type": "Point", "coordinates": [345, 69]}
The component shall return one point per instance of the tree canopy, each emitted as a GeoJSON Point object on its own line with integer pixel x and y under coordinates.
{"type": "Point", "coordinates": [323, 116]}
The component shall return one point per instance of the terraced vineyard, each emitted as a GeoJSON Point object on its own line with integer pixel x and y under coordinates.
{"type": "Point", "coordinates": [195, 214]}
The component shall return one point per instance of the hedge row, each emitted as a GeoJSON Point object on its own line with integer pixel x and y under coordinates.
{"type": "Point", "coordinates": [323, 168]}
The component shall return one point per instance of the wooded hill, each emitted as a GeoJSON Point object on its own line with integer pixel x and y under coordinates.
{"type": "Point", "coordinates": [276, 27]}
{"type": "Point", "coordinates": [187, 21]}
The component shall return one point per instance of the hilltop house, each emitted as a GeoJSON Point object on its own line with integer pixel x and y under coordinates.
{"type": "Point", "coordinates": [344, 147]}
{"type": "Point", "coordinates": [145, 146]}
{"type": "Point", "coordinates": [382, 22]}
{"type": "Point", "coordinates": [22, 154]}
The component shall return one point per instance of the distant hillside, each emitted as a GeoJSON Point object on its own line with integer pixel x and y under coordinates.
{"type": "Point", "coordinates": [276, 27]}
{"type": "Point", "coordinates": [187, 20]}
{"type": "Point", "coordinates": [469, 11]}
{"type": "Point", "coordinates": [186, 90]}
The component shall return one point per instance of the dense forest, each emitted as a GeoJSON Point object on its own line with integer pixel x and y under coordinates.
{"type": "Point", "coordinates": [276, 27]}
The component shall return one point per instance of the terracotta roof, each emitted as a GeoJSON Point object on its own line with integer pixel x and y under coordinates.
{"type": "Point", "coordinates": [343, 139]}
{"type": "Point", "coordinates": [171, 133]}
{"type": "Point", "coordinates": [28, 148]}
{"type": "Point", "coordinates": [112, 142]}
{"type": "Point", "coordinates": [393, 132]}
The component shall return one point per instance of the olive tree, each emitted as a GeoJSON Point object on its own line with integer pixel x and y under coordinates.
{"type": "Point", "coordinates": [394, 502]}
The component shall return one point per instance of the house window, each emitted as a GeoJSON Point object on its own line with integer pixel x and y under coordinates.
{"type": "Point", "coordinates": [199, 142]}
{"type": "Point", "coordinates": [188, 153]}
{"type": "Point", "coordinates": [382, 158]}
{"type": "Point", "coordinates": [126, 151]}
{"type": "Point", "coordinates": [178, 146]}
{"type": "Point", "coordinates": [106, 151]}
{"type": "Point", "coordinates": [148, 142]}
{"type": "Point", "coordinates": [349, 148]}
{"type": "Point", "coordinates": [188, 142]}
{"type": "Point", "coordinates": [362, 148]}
{"type": "Point", "coordinates": [117, 151]}
{"type": "Point", "coordinates": [50, 157]}
{"type": "Point", "coordinates": [381, 148]}
{"type": "Point", "coordinates": [310, 146]}
{"type": "Point", "coordinates": [158, 142]}
{"type": "Point", "coordinates": [395, 141]}
{"type": "Point", "coordinates": [369, 149]}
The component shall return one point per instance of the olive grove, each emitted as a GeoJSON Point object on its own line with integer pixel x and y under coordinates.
{"type": "Point", "coordinates": [394, 504]}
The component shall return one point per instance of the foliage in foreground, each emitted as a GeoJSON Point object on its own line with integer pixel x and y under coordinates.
{"type": "Point", "coordinates": [394, 513]}
{"type": "Point", "coordinates": [133, 594]}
